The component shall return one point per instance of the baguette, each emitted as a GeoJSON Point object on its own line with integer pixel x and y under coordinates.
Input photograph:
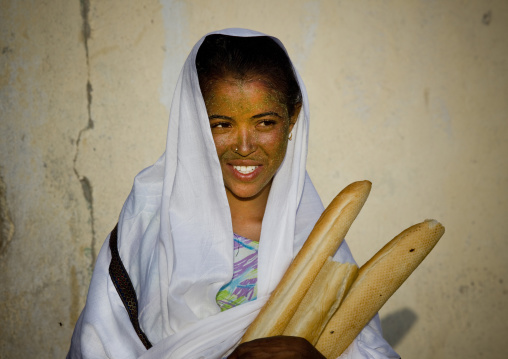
{"type": "Point", "coordinates": [377, 280]}
{"type": "Point", "coordinates": [322, 300]}
{"type": "Point", "coordinates": [323, 242]}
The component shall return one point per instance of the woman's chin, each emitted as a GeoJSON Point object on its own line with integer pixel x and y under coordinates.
{"type": "Point", "coordinates": [248, 193]}
{"type": "Point", "coordinates": [244, 195]}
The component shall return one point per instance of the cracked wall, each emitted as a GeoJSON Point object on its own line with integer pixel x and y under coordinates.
{"type": "Point", "coordinates": [409, 95]}
{"type": "Point", "coordinates": [85, 182]}
{"type": "Point", "coordinates": [43, 103]}
{"type": "Point", "coordinates": [6, 224]}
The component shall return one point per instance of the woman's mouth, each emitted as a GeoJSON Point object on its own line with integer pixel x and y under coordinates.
{"type": "Point", "coordinates": [245, 169]}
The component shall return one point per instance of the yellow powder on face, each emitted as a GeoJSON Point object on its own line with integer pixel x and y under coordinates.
{"type": "Point", "coordinates": [240, 87]}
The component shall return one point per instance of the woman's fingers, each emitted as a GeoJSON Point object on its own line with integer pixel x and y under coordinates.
{"type": "Point", "coordinates": [279, 347]}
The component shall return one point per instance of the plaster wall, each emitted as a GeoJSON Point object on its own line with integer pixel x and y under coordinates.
{"type": "Point", "coordinates": [411, 95]}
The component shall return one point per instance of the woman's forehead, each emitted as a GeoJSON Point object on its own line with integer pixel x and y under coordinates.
{"type": "Point", "coordinates": [233, 95]}
{"type": "Point", "coordinates": [230, 87]}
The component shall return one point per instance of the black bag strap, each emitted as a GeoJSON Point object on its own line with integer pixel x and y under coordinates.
{"type": "Point", "coordinates": [124, 287]}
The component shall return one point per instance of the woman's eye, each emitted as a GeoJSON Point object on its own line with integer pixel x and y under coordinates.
{"type": "Point", "coordinates": [267, 123]}
{"type": "Point", "coordinates": [220, 125]}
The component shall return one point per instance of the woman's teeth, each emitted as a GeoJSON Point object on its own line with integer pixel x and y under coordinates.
{"type": "Point", "coordinates": [245, 169]}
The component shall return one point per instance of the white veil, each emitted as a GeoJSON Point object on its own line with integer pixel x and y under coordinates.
{"type": "Point", "coordinates": [176, 242]}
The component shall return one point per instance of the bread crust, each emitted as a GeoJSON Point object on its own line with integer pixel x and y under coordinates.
{"type": "Point", "coordinates": [323, 242]}
{"type": "Point", "coordinates": [377, 280]}
{"type": "Point", "coordinates": [322, 300]}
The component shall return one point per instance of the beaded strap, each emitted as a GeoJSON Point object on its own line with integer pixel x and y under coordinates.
{"type": "Point", "coordinates": [124, 287]}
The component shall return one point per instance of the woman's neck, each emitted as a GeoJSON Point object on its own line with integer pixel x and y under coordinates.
{"type": "Point", "coordinates": [247, 213]}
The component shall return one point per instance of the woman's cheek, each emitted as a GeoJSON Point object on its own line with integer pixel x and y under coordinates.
{"type": "Point", "coordinates": [278, 145]}
{"type": "Point", "coordinates": [221, 143]}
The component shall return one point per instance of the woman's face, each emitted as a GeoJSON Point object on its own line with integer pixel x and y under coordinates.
{"type": "Point", "coordinates": [250, 128]}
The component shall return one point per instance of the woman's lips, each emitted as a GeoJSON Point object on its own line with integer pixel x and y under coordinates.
{"type": "Point", "coordinates": [245, 172]}
{"type": "Point", "coordinates": [245, 169]}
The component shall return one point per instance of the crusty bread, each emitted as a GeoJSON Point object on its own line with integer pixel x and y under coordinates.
{"type": "Point", "coordinates": [377, 280]}
{"type": "Point", "coordinates": [322, 300]}
{"type": "Point", "coordinates": [323, 242]}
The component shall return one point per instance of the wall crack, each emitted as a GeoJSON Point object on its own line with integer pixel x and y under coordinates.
{"type": "Point", "coordinates": [86, 185]}
{"type": "Point", "coordinates": [6, 223]}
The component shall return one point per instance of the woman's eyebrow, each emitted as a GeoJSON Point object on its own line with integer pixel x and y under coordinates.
{"type": "Point", "coordinates": [222, 117]}
{"type": "Point", "coordinates": [267, 114]}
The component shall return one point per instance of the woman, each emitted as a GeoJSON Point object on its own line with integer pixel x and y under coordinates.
{"type": "Point", "coordinates": [233, 172]}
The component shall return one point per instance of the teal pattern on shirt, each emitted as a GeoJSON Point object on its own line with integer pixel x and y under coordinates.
{"type": "Point", "coordinates": [243, 285]}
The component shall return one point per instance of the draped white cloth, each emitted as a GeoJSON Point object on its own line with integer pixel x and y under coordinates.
{"type": "Point", "coordinates": [175, 240]}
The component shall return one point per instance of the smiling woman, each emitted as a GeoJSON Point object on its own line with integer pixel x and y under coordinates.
{"type": "Point", "coordinates": [208, 231]}
{"type": "Point", "coordinates": [250, 128]}
{"type": "Point", "coordinates": [253, 100]}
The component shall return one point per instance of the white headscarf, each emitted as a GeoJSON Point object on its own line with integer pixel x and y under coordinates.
{"type": "Point", "coordinates": [176, 242]}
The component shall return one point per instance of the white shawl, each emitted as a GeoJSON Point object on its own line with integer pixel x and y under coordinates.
{"type": "Point", "coordinates": [175, 240]}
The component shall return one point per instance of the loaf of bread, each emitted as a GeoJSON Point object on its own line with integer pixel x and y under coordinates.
{"type": "Point", "coordinates": [322, 300]}
{"type": "Point", "coordinates": [377, 280]}
{"type": "Point", "coordinates": [323, 242]}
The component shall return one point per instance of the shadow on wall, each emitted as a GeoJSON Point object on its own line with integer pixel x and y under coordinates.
{"type": "Point", "coordinates": [396, 325]}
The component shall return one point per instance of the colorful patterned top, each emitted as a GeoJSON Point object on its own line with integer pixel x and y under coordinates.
{"type": "Point", "coordinates": [242, 287]}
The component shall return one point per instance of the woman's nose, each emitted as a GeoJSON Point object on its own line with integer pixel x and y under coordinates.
{"type": "Point", "coordinates": [245, 143]}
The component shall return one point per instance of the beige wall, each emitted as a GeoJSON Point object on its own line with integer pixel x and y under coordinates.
{"type": "Point", "coordinates": [411, 95]}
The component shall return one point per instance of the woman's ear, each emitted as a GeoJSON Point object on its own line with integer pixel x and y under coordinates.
{"type": "Point", "coordinates": [293, 118]}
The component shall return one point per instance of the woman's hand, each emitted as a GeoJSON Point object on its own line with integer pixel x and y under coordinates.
{"type": "Point", "coordinates": [276, 347]}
